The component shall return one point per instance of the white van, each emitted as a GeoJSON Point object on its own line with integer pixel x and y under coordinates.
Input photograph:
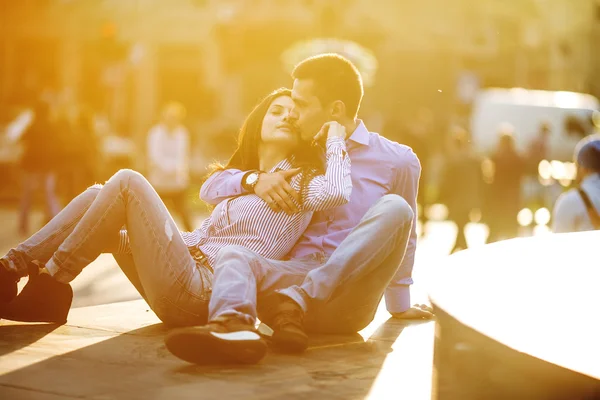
{"type": "Point", "coordinates": [525, 110]}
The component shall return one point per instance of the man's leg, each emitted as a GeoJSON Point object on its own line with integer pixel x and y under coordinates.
{"type": "Point", "coordinates": [343, 294]}
{"type": "Point", "coordinates": [29, 182]}
{"type": "Point", "coordinates": [461, 237]}
{"type": "Point", "coordinates": [175, 288]}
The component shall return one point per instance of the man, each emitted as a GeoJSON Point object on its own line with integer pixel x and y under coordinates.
{"type": "Point", "coordinates": [349, 256]}
{"type": "Point", "coordinates": [579, 208]}
{"type": "Point", "coordinates": [168, 161]}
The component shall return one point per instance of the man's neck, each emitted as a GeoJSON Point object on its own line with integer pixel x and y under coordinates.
{"type": "Point", "coordinates": [269, 156]}
{"type": "Point", "coordinates": [350, 126]}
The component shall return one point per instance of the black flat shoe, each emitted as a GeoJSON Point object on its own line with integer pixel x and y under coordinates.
{"type": "Point", "coordinates": [8, 285]}
{"type": "Point", "coordinates": [43, 299]}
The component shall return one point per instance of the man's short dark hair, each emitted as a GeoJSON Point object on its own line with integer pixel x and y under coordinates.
{"type": "Point", "coordinates": [335, 78]}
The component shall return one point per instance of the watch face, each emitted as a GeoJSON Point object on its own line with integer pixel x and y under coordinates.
{"type": "Point", "coordinates": [251, 179]}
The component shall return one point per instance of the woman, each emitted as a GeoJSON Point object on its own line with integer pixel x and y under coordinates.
{"type": "Point", "coordinates": [173, 272]}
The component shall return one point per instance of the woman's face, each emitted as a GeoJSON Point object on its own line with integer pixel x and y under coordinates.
{"type": "Point", "coordinates": [277, 127]}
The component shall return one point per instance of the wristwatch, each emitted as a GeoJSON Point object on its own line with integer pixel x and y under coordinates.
{"type": "Point", "coordinates": [250, 180]}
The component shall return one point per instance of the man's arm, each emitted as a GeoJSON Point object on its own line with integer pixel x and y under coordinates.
{"type": "Point", "coordinates": [222, 185]}
{"type": "Point", "coordinates": [406, 185]}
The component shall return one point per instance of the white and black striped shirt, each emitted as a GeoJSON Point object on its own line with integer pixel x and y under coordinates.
{"type": "Point", "coordinates": [246, 220]}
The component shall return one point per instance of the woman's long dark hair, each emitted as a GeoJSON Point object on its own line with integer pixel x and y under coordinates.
{"type": "Point", "coordinates": [245, 157]}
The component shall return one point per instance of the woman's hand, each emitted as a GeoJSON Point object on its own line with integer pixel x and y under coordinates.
{"type": "Point", "coordinates": [332, 129]}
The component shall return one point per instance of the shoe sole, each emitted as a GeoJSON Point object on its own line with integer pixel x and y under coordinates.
{"type": "Point", "coordinates": [289, 343]}
{"type": "Point", "coordinates": [209, 348]}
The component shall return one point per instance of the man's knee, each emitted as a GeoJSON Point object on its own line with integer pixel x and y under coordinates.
{"type": "Point", "coordinates": [395, 209]}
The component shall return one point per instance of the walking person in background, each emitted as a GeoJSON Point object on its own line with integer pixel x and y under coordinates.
{"type": "Point", "coordinates": [505, 191]}
{"type": "Point", "coordinates": [169, 161]}
{"type": "Point", "coordinates": [461, 184]}
{"type": "Point", "coordinates": [579, 208]}
{"type": "Point", "coordinates": [78, 148]}
{"type": "Point", "coordinates": [38, 165]}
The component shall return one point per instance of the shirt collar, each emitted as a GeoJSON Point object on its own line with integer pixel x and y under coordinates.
{"type": "Point", "coordinates": [360, 134]}
{"type": "Point", "coordinates": [282, 165]}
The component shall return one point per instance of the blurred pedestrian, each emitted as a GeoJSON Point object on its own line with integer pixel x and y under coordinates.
{"type": "Point", "coordinates": [461, 184]}
{"type": "Point", "coordinates": [79, 149]}
{"type": "Point", "coordinates": [39, 165]}
{"type": "Point", "coordinates": [169, 159]}
{"type": "Point", "coordinates": [504, 200]}
{"type": "Point", "coordinates": [418, 135]}
{"type": "Point", "coordinates": [579, 208]}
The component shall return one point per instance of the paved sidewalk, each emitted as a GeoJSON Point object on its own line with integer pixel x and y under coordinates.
{"type": "Point", "coordinates": [116, 351]}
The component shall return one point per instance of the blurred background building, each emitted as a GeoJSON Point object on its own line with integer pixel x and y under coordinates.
{"type": "Point", "coordinates": [127, 58]}
{"type": "Point", "coordinates": [424, 63]}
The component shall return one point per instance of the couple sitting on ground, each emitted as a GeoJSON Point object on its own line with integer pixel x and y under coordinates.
{"type": "Point", "coordinates": [305, 241]}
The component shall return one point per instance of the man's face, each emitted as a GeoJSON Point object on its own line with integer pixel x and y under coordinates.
{"type": "Point", "coordinates": [308, 112]}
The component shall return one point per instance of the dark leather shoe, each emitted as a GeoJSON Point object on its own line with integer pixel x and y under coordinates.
{"type": "Point", "coordinates": [43, 299]}
{"type": "Point", "coordinates": [8, 285]}
{"type": "Point", "coordinates": [288, 326]}
{"type": "Point", "coordinates": [226, 340]}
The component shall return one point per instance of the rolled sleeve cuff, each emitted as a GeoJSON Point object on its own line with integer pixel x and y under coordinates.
{"type": "Point", "coordinates": [397, 298]}
{"type": "Point", "coordinates": [236, 182]}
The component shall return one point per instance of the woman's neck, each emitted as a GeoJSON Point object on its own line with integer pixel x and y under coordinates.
{"type": "Point", "coordinates": [270, 155]}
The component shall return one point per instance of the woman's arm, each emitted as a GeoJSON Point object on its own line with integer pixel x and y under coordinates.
{"type": "Point", "coordinates": [335, 187]}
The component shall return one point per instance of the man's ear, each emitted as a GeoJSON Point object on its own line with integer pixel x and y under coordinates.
{"type": "Point", "coordinates": [338, 110]}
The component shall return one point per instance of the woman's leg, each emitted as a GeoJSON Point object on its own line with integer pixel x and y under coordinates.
{"type": "Point", "coordinates": [174, 287]}
{"type": "Point", "coordinates": [41, 245]}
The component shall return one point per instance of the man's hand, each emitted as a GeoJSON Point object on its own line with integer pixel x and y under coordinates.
{"type": "Point", "coordinates": [418, 311]}
{"type": "Point", "coordinates": [331, 129]}
{"type": "Point", "coordinates": [275, 190]}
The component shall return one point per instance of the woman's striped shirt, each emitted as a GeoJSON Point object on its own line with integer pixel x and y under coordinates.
{"type": "Point", "coordinates": [247, 220]}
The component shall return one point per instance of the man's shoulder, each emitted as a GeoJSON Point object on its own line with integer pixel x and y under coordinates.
{"type": "Point", "coordinates": [569, 200]}
{"type": "Point", "coordinates": [394, 152]}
